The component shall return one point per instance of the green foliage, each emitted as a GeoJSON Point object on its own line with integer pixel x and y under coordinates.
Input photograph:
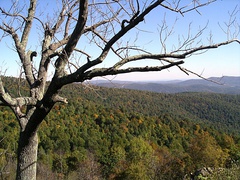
{"type": "Point", "coordinates": [203, 146]}
{"type": "Point", "coordinates": [126, 134]}
{"type": "Point", "coordinates": [232, 173]}
{"type": "Point", "coordinates": [141, 160]}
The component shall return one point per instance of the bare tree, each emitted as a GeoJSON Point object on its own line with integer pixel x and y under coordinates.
{"type": "Point", "coordinates": [100, 24]}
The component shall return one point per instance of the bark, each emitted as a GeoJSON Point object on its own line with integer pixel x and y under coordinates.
{"type": "Point", "coordinates": [27, 156]}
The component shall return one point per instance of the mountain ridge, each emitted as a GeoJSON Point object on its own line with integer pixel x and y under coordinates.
{"type": "Point", "coordinates": [223, 85]}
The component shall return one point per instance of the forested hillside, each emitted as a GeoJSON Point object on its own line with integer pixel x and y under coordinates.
{"type": "Point", "coordinates": [107, 133]}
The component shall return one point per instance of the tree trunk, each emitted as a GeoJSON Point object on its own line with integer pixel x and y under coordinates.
{"type": "Point", "coordinates": [27, 156]}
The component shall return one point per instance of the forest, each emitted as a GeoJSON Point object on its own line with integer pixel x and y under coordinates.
{"type": "Point", "coordinates": [110, 133]}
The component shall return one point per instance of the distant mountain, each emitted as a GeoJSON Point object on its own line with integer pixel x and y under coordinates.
{"type": "Point", "coordinates": [224, 85]}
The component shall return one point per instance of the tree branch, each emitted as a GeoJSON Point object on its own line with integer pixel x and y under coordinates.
{"type": "Point", "coordinates": [24, 57]}
{"type": "Point", "coordinates": [79, 29]}
{"type": "Point", "coordinates": [28, 23]}
{"type": "Point", "coordinates": [111, 71]}
{"type": "Point", "coordinates": [58, 98]}
{"type": "Point", "coordinates": [12, 15]}
{"type": "Point", "coordinates": [185, 9]}
{"type": "Point", "coordinates": [72, 42]}
{"type": "Point", "coordinates": [200, 48]}
{"type": "Point", "coordinates": [134, 22]}
{"type": "Point", "coordinates": [20, 101]}
{"type": "Point", "coordinates": [124, 30]}
{"type": "Point", "coordinates": [175, 55]}
{"type": "Point", "coordinates": [115, 69]}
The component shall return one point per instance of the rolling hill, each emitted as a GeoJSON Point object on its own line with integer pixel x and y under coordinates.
{"type": "Point", "coordinates": [223, 85]}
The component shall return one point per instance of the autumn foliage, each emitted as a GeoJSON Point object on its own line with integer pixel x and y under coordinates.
{"type": "Point", "coordinates": [103, 136]}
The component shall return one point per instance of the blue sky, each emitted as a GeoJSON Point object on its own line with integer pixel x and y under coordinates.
{"type": "Point", "coordinates": [224, 61]}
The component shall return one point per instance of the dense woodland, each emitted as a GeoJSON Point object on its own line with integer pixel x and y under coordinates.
{"type": "Point", "coordinates": [107, 133]}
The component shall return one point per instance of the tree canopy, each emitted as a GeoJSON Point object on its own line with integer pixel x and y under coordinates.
{"type": "Point", "coordinates": [109, 133]}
